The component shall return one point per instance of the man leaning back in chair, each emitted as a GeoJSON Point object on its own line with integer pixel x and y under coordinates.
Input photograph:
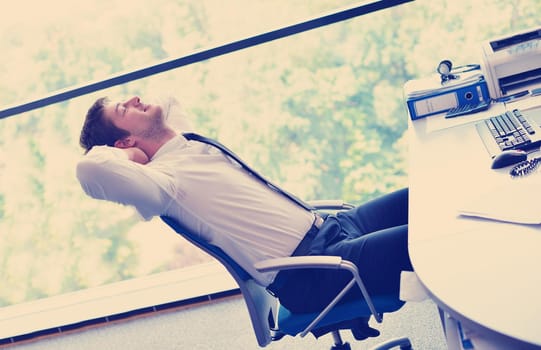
{"type": "Point", "coordinates": [133, 157]}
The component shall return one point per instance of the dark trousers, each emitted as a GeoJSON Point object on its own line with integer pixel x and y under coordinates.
{"type": "Point", "coordinates": [374, 236]}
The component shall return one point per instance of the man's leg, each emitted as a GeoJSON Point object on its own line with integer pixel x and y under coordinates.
{"type": "Point", "coordinates": [365, 235]}
{"type": "Point", "coordinates": [374, 237]}
{"type": "Point", "coordinates": [380, 256]}
{"type": "Point", "coordinates": [387, 211]}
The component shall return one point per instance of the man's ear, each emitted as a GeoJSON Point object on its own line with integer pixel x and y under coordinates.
{"type": "Point", "coordinates": [126, 142]}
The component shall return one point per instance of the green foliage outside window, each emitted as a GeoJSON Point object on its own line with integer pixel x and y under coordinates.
{"type": "Point", "coordinates": [321, 113]}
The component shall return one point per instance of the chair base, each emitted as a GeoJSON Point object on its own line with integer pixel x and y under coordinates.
{"type": "Point", "coordinates": [343, 346]}
{"type": "Point", "coordinates": [404, 344]}
{"type": "Point", "coordinates": [338, 343]}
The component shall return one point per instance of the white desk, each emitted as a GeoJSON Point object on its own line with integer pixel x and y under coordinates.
{"type": "Point", "coordinates": [484, 273]}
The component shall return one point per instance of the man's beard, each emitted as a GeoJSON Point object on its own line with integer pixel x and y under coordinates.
{"type": "Point", "coordinates": [156, 128]}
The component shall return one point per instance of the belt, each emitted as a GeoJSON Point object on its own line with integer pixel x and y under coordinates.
{"type": "Point", "coordinates": [302, 249]}
{"type": "Point", "coordinates": [318, 220]}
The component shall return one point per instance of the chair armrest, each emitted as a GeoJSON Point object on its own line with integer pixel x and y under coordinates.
{"type": "Point", "coordinates": [330, 204]}
{"type": "Point", "coordinates": [298, 262]}
{"type": "Point", "coordinates": [326, 262]}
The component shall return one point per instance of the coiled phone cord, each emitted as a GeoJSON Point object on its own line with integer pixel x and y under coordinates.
{"type": "Point", "coordinates": [525, 167]}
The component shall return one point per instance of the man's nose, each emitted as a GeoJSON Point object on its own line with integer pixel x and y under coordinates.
{"type": "Point", "coordinates": [134, 100]}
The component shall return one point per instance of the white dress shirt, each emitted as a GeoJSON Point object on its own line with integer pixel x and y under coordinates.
{"type": "Point", "coordinates": [197, 185]}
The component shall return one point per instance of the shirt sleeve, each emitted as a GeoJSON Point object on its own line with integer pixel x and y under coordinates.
{"type": "Point", "coordinates": [106, 173]}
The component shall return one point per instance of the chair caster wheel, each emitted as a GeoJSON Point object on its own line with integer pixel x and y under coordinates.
{"type": "Point", "coordinates": [343, 346]}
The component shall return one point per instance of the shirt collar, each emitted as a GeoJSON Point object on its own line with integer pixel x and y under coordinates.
{"type": "Point", "coordinates": [176, 142]}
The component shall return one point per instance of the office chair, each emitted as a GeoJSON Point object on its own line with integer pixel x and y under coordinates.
{"type": "Point", "coordinates": [271, 321]}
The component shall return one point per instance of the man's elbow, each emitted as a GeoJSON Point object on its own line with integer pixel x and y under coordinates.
{"type": "Point", "coordinates": [88, 173]}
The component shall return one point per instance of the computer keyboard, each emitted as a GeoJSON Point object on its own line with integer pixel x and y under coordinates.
{"type": "Point", "coordinates": [513, 129]}
{"type": "Point", "coordinates": [510, 130]}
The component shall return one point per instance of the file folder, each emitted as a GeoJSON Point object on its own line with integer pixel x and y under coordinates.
{"type": "Point", "coordinates": [426, 97]}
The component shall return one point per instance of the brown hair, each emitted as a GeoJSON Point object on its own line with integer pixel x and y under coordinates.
{"type": "Point", "coordinates": [98, 130]}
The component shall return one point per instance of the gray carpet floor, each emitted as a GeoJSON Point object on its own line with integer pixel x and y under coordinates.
{"type": "Point", "coordinates": [225, 324]}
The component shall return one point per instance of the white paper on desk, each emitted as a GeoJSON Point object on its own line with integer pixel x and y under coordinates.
{"type": "Point", "coordinates": [517, 201]}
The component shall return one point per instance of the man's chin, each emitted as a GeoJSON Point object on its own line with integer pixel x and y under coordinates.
{"type": "Point", "coordinates": [155, 109]}
{"type": "Point", "coordinates": [156, 112]}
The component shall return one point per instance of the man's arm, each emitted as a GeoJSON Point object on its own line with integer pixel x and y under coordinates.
{"type": "Point", "coordinates": [113, 174]}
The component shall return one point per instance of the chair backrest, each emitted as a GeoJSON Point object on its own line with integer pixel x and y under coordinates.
{"type": "Point", "coordinates": [258, 301]}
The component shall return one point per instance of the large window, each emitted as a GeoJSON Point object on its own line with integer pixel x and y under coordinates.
{"type": "Point", "coordinates": [321, 113]}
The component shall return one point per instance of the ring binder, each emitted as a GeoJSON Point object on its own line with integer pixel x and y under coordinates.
{"type": "Point", "coordinates": [425, 97]}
